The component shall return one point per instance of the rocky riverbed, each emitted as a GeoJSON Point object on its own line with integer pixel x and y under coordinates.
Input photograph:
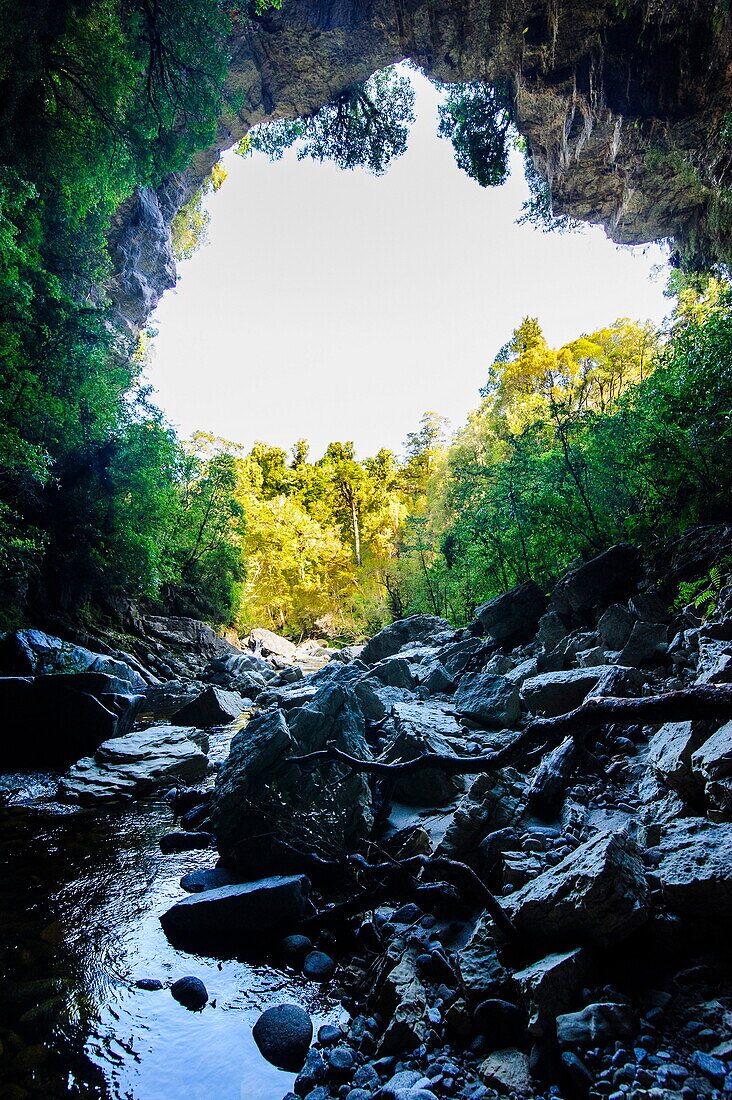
{"type": "Point", "coordinates": [540, 909]}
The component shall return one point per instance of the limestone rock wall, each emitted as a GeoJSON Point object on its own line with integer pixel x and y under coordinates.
{"type": "Point", "coordinates": [624, 103]}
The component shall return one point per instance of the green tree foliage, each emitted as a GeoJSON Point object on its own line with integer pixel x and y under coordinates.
{"type": "Point", "coordinates": [477, 119]}
{"type": "Point", "coordinates": [616, 435]}
{"type": "Point", "coordinates": [367, 126]}
{"type": "Point", "coordinates": [97, 98]}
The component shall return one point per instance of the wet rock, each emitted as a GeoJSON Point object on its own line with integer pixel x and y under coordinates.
{"type": "Point", "coordinates": [59, 718]}
{"type": "Point", "coordinates": [508, 1072]}
{"type": "Point", "coordinates": [597, 893]}
{"type": "Point", "coordinates": [513, 616]}
{"type": "Point", "coordinates": [596, 1024]}
{"type": "Point", "coordinates": [329, 1034]}
{"type": "Point", "coordinates": [341, 1062]}
{"type": "Point", "coordinates": [209, 878]}
{"type": "Point", "coordinates": [610, 577]}
{"type": "Point", "coordinates": [149, 984]}
{"type": "Point", "coordinates": [313, 1073]}
{"type": "Point", "coordinates": [694, 868]}
{"type": "Point", "coordinates": [615, 625]}
{"type": "Point", "coordinates": [190, 991]}
{"type": "Point", "coordinates": [135, 765]}
{"type": "Point", "coordinates": [400, 633]}
{"type": "Point", "coordinates": [294, 949]}
{"type": "Point", "coordinates": [491, 700]}
{"type": "Point", "coordinates": [283, 1035]}
{"type": "Point", "coordinates": [318, 967]}
{"type": "Point", "coordinates": [548, 987]}
{"type": "Point", "coordinates": [234, 916]}
{"type": "Point", "coordinates": [185, 842]}
{"type": "Point", "coordinates": [213, 707]}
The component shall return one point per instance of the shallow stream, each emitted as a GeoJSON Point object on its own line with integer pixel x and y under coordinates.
{"type": "Point", "coordinates": [81, 891]}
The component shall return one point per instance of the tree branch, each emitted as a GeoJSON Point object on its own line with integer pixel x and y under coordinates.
{"type": "Point", "coordinates": [689, 704]}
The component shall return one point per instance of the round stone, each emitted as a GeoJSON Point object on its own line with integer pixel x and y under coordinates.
{"type": "Point", "coordinates": [283, 1035]}
{"type": "Point", "coordinates": [190, 991]}
{"type": "Point", "coordinates": [318, 966]}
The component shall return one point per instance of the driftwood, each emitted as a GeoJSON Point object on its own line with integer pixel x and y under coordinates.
{"type": "Point", "coordinates": [689, 704]}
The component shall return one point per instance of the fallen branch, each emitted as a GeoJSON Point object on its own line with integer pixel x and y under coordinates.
{"type": "Point", "coordinates": [689, 704]}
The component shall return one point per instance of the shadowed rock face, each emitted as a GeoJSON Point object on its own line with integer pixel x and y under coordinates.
{"type": "Point", "coordinates": [623, 106]}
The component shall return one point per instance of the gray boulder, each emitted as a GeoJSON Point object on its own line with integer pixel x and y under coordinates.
{"type": "Point", "coordinates": [647, 644]}
{"type": "Point", "coordinates": [31, 653]}
{"type": "Point", "coordinates": [456, 655]}
{"type": "Point", "coordinates": [549, 987]}
{"type": "Point", "coordinates": [712, 763]}
{"type": "Point", "coordinates": [551, 631]}
{"type": "Point", "coordinates": [394, 672]}
{"type": "Point", "coordinates": [596, 1025]}
{"type": "Point", "coordinates": [58, 718]}
{"type": "Point", "coordinates": [513, 616]}
{"type": "Point", "coordinates": [213, 707]}
{"type": "Point", "coordinates": [553, 693]}
{"type": "Point", "coordinates": [693, 866]}
{"type": "Point", "coordinates": [495, 800]}
{"type": "Point", "coordinates": [491, 700]}
{"type": "Point", "coordinates": [598, 894]}
{"type": "Point", "coordinates": [236, 917]}
{"type": "Point", "coordinates": [400, 633]}
{"type": "Point", "coordinates": [437, 680]}
{"type": "Point", "coordinates": [419, 728]}
{"type": "Point", "coordinates": [268, 644]}
{"type": "Point", "coordinates": [234, 670]}
{"type": "Point", "coordinates": [608, 578]}
{"type": "Point", "coordinates": [136, 765]}
{"type": "Point", "coordinates": [508, 1072]}
{"type": "Point", "coordinates": [284, 1034]}
{"type": "Point", "coordinates": [615, 626]}
{"type": "Point", "coordinates": [670, 754]}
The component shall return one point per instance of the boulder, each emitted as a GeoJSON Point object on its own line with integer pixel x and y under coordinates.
{"type": "Point", "coordinates": [318, 967]}
{"type": "Point", "coordinates": [403, 1000]}
{"type": "Point", "coordinates": [553, 693]}
{"type": "Point", "coordinates": [550, 986]}
{"type": "Point", "coordinates": [548, 784]}
{"type": "Point", "coordinates": [551, 631]}
{"type": "Point", "coordinates": [670, 754]}
{"type": "Point", "coordinates": [136, 765]}
{"type": "Point", "coordinates": [31, 653]}
{"type": "Point", "coordinates": [501, 1022]}
{"type": "Point", "coordinates": [208, 878]}
{"type": "Point", "coordinates": [647, 644]}
{"type": "Point", "coordinates": [400, 633]}
{"type": "Point", "coordinates": [513, 616]}
{"type": "Point", "coordinates": [713, 760]}
{"type": "Point", "coordinates": [714, 665]}
{"type": "Point", "coordinates": [494, 801]}
{"type": "Point", "coordinates": [394, 672]}
{"type": "Point", "coordinates": [269, 644]}
{"type": "Point", "coordinates": [597, 894]}
{"type": "Point", "coordinates": [483, 974]}
{"type": "Point", "coordinates": [437, 680]}
{"type": "Point", "coordinates": [283, 1035]}
{"type": "Point", "coordinates": [236, 917]}
{"type": "Point", "coordinates": [693, 867]}
{"type": "Point", "coordinates": [508, 1072]}
{"type": "Point", "coordinates": [236, 670]}
{"type": "Point", "coordinates": [596, 1025]}
{"type": "Point", "coordinates": [257, 786]}
{"type": "Point", "coordinates": [58, 718]}
{"type": "Point", "coordinates": [456, 656]}
{"type": "Point", "coordinates": [419, 728]}
{"type": "Point", "coordinates": [491, 700]}
{"type": "Point", "coordinates": [608, 578]}
{"type": "Point", "coordinates": [615, 625]}
{"type": "Point", "coordinates": [190, 991]}
{"type": "Point", "coordinates": [213, 707]}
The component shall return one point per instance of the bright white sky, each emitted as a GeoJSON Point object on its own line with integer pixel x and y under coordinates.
{"type": "Point", "coordinates": [336, 305]}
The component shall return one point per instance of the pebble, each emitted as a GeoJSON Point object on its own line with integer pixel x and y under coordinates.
{"type": "Point", "coordinates": [190, 991]}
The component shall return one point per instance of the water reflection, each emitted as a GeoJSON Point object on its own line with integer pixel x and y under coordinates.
{"type": "Point", "coordinates": [80, 896]}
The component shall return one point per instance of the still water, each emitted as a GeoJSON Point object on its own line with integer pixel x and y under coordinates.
{"type": "Point", "coordinates": [80, 896]}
